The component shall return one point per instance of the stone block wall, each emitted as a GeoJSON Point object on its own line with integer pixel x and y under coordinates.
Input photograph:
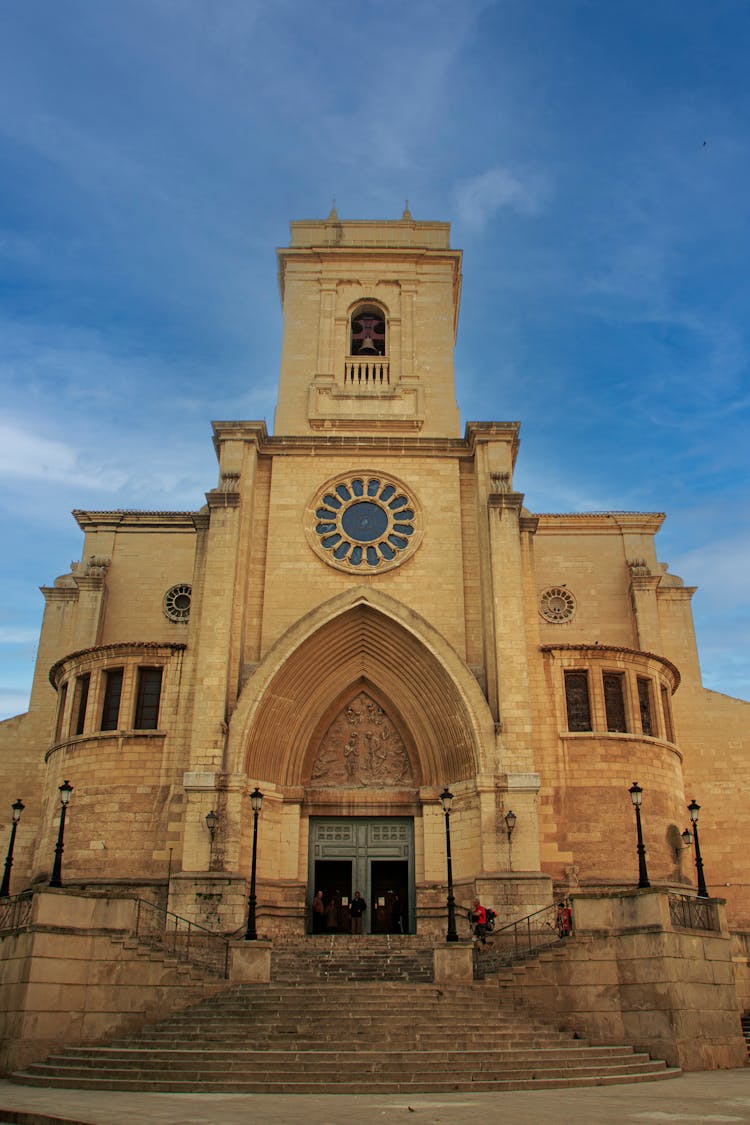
{"type": "Point", "coordinates": [72, 976]}
{"type": "Point", "coordinates": [630, 976]}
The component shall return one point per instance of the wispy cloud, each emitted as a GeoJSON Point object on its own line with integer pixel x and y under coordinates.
{"type": "Point", "coordinates": [478, 199]}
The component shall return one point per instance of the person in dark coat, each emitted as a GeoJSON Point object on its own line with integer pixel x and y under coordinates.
{"type": "Point", "coordinates": [357, 909]}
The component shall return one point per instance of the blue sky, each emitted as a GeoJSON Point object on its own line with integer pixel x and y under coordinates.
{"type": "Point", "coordinates": [592, 157]}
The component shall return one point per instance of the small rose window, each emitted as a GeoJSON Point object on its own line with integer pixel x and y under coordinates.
{"type": "Point", "coordinates": [177, 602]}
{"type": "Point", "coordinates": [557, 604]}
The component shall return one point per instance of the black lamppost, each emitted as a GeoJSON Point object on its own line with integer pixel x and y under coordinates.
{"type": "Point", "coordinates": [256, 800]}
{"type": "Point", "coordinates": [64, 790]}
{"type": "Point", "coordinates": [211, 821]}
{"type": "Point", "coordinates": [694, 808]}
{"type": "Point", "coordinates": [17, 807]}
{"type": "Point", "coordinates": [636, 796]}
{"type": "Point", "coordinates": [446, 800]}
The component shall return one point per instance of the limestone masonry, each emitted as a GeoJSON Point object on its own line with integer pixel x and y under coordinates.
{"type": "Point", "coordinates": [362, 613]}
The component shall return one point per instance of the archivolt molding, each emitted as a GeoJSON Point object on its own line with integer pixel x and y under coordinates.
{"type": "Point", "coordinates": [358, 638]}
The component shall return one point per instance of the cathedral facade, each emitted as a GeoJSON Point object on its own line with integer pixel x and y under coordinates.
{"type": "Point", "coordinates": [363, 613]}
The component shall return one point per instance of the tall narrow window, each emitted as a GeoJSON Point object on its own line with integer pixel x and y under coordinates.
{"type": "Point", "coordinates": [646, 706]}
{"type": "Point", "coordinates": [614, 701]}
{"type": "Point", "coordinates": [80, 700]}
{"type": "Point", "coordinates": [112, 693]}
{"type": "Point", "coordinates": [577, 700]}
{"type": "Point", "coordinates": [148, 694]}
{"type": "Point", "coordinates": [60, 711]}
{"type": "Point", "coordinates": [666, 708]}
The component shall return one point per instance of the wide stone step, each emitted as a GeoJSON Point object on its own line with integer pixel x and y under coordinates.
{"type": "Point", "coordinates": [365, 1073]}
{"type": "Point", "coordinates": [186, 1058]}
{"type": "Point", "coordinates": [436, 1085]}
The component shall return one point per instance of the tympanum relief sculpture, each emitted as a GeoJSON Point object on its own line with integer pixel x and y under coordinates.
{"type": "Point", "coordinates": [362, 748]}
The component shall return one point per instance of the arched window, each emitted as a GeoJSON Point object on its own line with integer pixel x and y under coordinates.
{"type": "Point", "coordinates": [367, 337]}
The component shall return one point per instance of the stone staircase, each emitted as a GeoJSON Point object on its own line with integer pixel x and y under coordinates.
{"type": "Point", "coordinates": [341, 958]}
{"type": "Point", "coordinates": [347, 1017]}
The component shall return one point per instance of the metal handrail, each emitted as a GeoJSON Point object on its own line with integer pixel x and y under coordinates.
{"type": "Point", "coordinates": [187, 941]}
{"type": "Point", "coordinates": [525, 937]}
{"type": "Point", "coordinates": [15, 912]}
{"type": "Point", "coordinates": [691, 913]}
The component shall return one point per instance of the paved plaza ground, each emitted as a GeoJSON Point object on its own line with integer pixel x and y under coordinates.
{"type": "Point", "coordinates": [719, 1096]}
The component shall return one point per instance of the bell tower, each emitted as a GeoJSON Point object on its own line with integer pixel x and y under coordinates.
{"type": "Point", "coordinates": [370, 318]}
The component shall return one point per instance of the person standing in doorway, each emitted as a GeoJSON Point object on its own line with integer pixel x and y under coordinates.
{"type": "Point", "coordinates": [318, 913]}
{"type": "Point", "coordinates": [332, 916]}
{"type": "Point", "coordinates": [356, 912]}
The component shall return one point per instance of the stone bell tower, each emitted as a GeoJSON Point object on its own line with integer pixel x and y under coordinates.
{"type": "Point", "coordinates": [370, 319]}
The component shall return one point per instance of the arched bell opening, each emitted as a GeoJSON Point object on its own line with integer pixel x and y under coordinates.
{"type": "Point", "coordinates": [367, 331]}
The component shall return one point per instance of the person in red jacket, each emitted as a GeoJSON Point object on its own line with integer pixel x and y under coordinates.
{"type": "Point", "coordinates": [479, 919]}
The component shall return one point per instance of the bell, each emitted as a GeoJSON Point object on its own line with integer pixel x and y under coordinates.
{"type": "Point", "coordinates": [367, 347]}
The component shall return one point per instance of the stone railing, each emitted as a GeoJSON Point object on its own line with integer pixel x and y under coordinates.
{"type": "Point", "coordinates": [367, 373]}
{"type": "Point", "coordinates": [693, 913]}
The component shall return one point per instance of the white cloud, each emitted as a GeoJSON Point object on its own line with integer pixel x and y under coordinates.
{"type": "Point", "coordinates": [12, 702]}
{"type": "Point", "coordinates": [478, 198]}
{"type": "Point", "coordinates": [10, 635]}
{"type": "Point", "coordinates": [28, 455]}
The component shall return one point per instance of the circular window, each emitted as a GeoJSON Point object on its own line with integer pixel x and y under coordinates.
{"type": "Point", "coordinates": [177, 603]}
{"type": "Point", "coordinates": [363, 522]}
{"type": "Point", "coordinates": [557, 604]}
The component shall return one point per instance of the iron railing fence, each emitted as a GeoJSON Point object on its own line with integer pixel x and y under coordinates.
{"type": "Point", "coordinates": [15, 912]}
{"type": "Point", "coordinates": [692, 913]}
{"type": "Point", "coordinates": [523, 938]}
{"type": "Point", "coordinates": [183, 939]}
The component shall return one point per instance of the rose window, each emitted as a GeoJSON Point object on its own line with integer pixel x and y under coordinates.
{"type": "Point", "coordinates": [557, 604]}
{"type": "Point", "coordinates": [177, 603]}
{"type": "Point", "coordinates": [364, 522]}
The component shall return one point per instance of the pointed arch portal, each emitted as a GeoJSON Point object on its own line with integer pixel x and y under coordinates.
{"type": "Point", "coordinates": [365, 647]}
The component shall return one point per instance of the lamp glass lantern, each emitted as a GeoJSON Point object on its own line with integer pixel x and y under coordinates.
{"type": "Point", "coordinates": [636, 794]}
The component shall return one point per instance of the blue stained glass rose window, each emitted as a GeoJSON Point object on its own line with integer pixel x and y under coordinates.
{"type": "Point", "coordinates": [365, 522]}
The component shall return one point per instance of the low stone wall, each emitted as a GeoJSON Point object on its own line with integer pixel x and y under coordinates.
{"type": "Point", "coordinates": [71, 975]}
{"type": "Point", "coordinates": [629, 975]}
{"type": "Point", "coordinates": [741, 961]}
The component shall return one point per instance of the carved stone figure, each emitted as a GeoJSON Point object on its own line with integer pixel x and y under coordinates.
{"type": "Point", "coordinates": [362, 748]}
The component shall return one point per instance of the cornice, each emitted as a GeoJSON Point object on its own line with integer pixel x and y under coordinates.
{"type": "Point", "coordinates": [116, 648]}
{"type": "Point", "coordinates": [476, 433]}
{"type": "Point", "coordinates": [604, 650]}
{"type": "Point", "coordinates": [648, 522]}
{"type": "Point", "coordinates": [130, 518]}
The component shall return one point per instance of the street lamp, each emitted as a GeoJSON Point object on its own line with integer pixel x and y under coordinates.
{"type": "Point", "coordinates": [636, 796]}
{"type": "Point", "coordinates": [65, 791]}
{"type": "Point", "coordinates": [17, 807]}
{"type": "Point", "coordinates": [256, 801]}
{"type": "Point", "coordinates": [211, 821]}
{"type": "Point", "coordinates": [446, 800]}
{"type": "Point", "coordinates": [510, 822]}
{"type": "Point", "coordinates": [694, 808]}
